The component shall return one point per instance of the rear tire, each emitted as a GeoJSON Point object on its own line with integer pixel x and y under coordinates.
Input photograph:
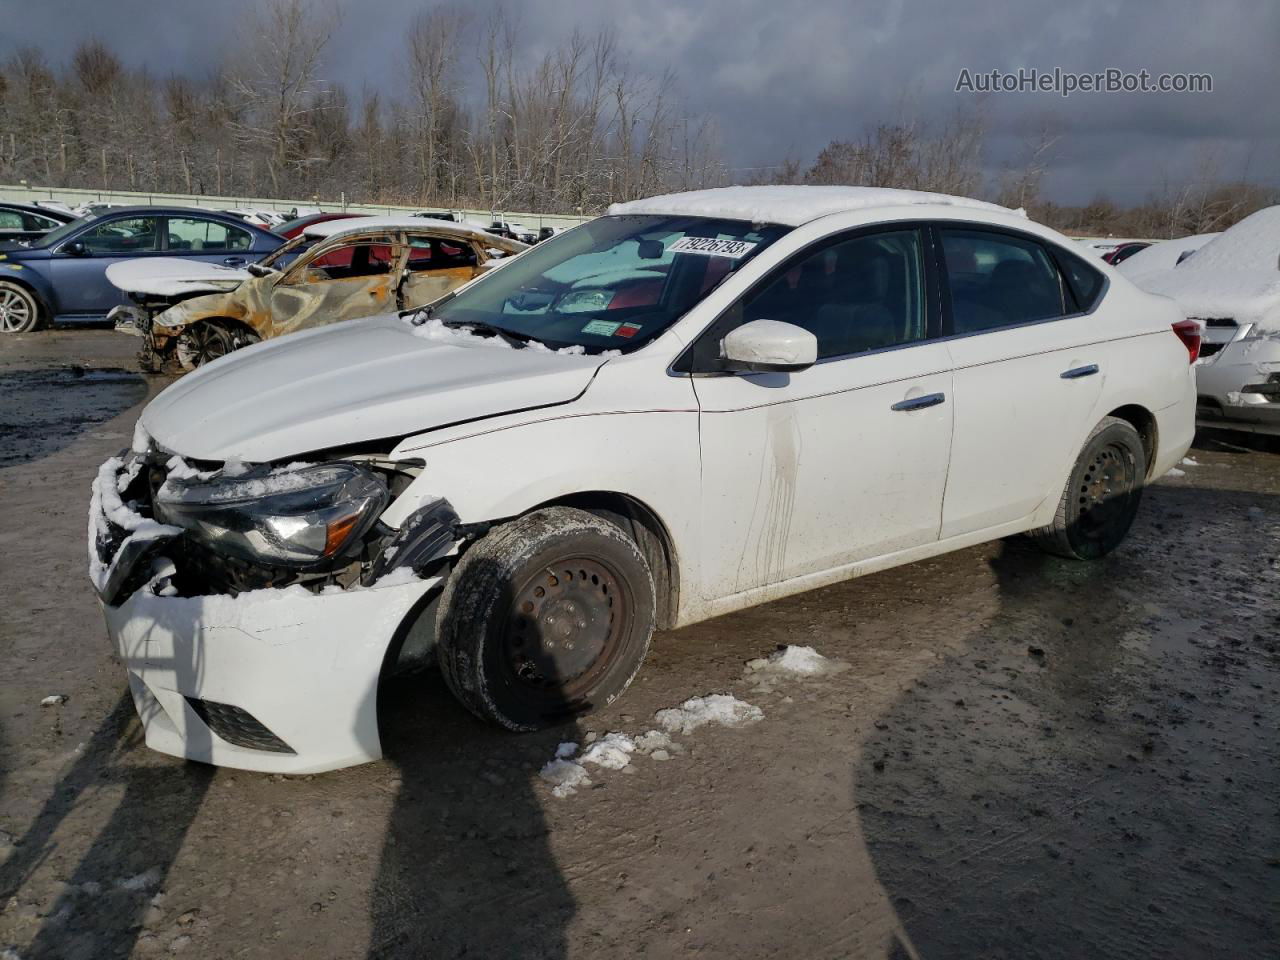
{"type": "Point", "coordinates": [20, 311]}
{"type": "Point", "coordinates": [545, 618]}
{"type": "Point", "coordinates": [207, 340]}
{"type": "Point", "coordinates": [1102, 495]}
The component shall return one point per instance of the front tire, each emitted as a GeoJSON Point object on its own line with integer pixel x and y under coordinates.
{"type": "Point", "coordinates": [20, 311]}
{"type": "Point", "coordinates": [1102, 495]}
{"type": "Point", "coordinates": [546, 618]}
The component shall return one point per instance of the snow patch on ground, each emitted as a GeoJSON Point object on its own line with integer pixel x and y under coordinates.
{"type": "Point", "coordinates": [1175, 472]}
{"type": "Point", "coordinates": [612, 751]}
{"type": "Point", "coordinates": [142, 881]}
{"type": "Point", "coordinates": [718, 708]}
{"type": "Point", "coordinates": [565, 777]}
{"type": "Point", "coordinates": [798, 661]}
{"type": "Point", "coordinates": [1188, 462]}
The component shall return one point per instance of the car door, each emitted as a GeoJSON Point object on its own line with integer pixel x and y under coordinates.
{"type": "Point", "coordinates": [79, 265]}
{"type": "Point", "coordinates": [1029, 369]}
{"type": "Point", "coordinates": [208, 240]}
{"type": "Point", "coordinates": [336, 281]}
{"type": "Point", "coordinates": [846, 460]}
{"type": "Point", "coordinates": [435, 266]}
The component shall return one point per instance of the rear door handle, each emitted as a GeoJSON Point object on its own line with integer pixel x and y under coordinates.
{"type": "Point", "coordinates": [1075, 373]}
{"type": "Point", "coordinates": [919, 403]}
{"type": "Point", "coordinates": [233, 261]}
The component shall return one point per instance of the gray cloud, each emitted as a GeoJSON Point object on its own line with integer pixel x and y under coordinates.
{"type": "Point", "coordinates": [783, 79]}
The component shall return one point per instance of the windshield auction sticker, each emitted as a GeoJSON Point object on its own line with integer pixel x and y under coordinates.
{"type": "Point", "coordinates": [711, 247]}
{"type": "Point", "coordinates": [601, 328]}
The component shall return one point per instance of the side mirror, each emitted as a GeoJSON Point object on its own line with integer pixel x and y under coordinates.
{"type": "Point", "coordinates": [764, 346]}
{"type": "Point", "coordinates": [76, 248]}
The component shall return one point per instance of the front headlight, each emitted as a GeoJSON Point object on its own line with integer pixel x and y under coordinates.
{"type": "Point", "coordinates": [289, 517]}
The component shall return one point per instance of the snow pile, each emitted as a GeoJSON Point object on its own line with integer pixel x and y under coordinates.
{"type": "Point", "coordinates": [612, 751]}
{"type": "Point", "coordinates": [790, 205]}
{"type": "Point", "coordinates": [657, 745]}
{"type": "Point", "coordinates": [1162, 255]}
{"type": "Point", "coordinates": [1236, 275]}
{"type": "Point", "coordinates": [564, 775]}
{"type": "Point", "coordinates": [1188, 462]}
{"type": "Point", "coordinates": [1175, 472]}
{"type": "Point", "coordinates": [719, 708]}
{"type": "Point", "coordinates": [800, 661]}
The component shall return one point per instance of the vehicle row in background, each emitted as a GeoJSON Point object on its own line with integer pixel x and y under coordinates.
{"type": "Point", "coordinates": [62, 273]}
{"type": "Point", "coordinates": [25, 222]}
{"type": "Point", "coordinates": [1231, 287]}
{"type": "Point", "coordinates": [332, 270]}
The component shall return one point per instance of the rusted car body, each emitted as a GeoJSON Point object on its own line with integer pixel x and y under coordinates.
{"type": "Point", "coordinates": [337, 270]}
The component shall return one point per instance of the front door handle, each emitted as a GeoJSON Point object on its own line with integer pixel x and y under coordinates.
{"type": "Point", "coordinates": [919, 403]}
{"type": "Point", "coordinates": [1075, 373]}
{"type": "Point", "coordinates": [233, 261]}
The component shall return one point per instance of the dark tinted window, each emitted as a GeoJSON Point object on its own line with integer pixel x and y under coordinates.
{"type": "Point", "coordinates": [122, 237]}
{"type": "Point", "coordinates": [860, 294]}
{"type": "Point", "coordinates": [1085, 282]}
{"type": "Point", "coordinates": [433, 253]}
{"type": "Point", "coordinates": [998, 280]}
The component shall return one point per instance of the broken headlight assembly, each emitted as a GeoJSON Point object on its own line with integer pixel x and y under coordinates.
{"type": "Point", "coordinates": [292, 518]}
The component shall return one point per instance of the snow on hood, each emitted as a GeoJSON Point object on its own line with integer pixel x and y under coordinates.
{"type": "Point", "coordinates": [350, 382]}
{"type": "Point", "coordinates": [788, 205]}
{"type": "Point", "coordinates": [173, 276]}
{"type": "Point", "coordinates": [1253, 244]}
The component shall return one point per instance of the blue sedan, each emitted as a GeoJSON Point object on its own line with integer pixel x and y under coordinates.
{"type": "Point", "coordinates": [62, 275]}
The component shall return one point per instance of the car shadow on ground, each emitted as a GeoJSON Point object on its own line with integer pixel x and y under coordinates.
{"type": "Point", "coordinates": [467, 867]}
{"type": "Point", "coordinates": [46, 409]}
{"type": "Point", "coordinates": [1102, 785]}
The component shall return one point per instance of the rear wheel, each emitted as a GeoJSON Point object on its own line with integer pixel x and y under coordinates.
{"type": "Point", "coordinates": [547, 617]}
{"type": "Point", "coordinates": [1102, 495]}
{"type": "Point", "coordinates": [19, 309]}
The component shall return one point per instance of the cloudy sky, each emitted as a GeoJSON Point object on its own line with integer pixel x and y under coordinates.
{"type": "Point", "coordinates": [782, 79]}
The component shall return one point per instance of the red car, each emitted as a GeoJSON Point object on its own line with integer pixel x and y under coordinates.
{"type": "Point", "coordinates": [291, 228]}
{"type": "Point", "coordinates": [1123, 252]}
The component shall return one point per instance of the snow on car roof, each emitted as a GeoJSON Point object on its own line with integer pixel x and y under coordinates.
{"type": "Point", "coordinates": [1252, 244]}
{"type": "Point", "coordinates": [331, 228]}
{"type": "Point", "coordinates": [789, 205]}
{"type": "Point", "coordinates": [1162, 255]}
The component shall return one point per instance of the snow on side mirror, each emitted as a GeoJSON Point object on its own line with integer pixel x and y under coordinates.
{"type": "Point", "coordinates": [769, 346]}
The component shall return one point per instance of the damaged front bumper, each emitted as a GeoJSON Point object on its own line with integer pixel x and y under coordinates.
{"type": "Point", "coordinates": [282, 679]}
{"type": "Point", "coordinates": [1238, 386]}
{"type": "Point", "coordinates": [276, 680]}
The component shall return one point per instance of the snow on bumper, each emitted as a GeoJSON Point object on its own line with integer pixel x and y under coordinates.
{"type": "Point", "coordinates": [280, 681]}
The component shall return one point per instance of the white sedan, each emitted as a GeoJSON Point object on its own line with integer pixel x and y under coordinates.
{"type": "Point", "coordinates": [694, 404]}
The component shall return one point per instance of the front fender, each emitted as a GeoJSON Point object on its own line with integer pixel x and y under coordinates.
{"type": "Point", "coordinates": [171, 322]}
{"type": "Point", "coordinates": [33, 280]}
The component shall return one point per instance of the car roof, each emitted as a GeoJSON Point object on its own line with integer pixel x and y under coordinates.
{"type": "Point", "coordinates": [789, 205]}
{"type": "Point", "coordinates": [49, 212]}
{"type": "Point", "coordinates": [333, 228]}
{"type": "Point", "coordinates": [157, 211]}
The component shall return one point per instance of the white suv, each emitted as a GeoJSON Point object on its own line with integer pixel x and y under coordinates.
{"type": "Point", "coordinates": [694, 404]}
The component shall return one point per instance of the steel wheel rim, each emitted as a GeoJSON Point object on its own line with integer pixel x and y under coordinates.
{"type": "Point", "coordinates": [565, 629]}
{"type": "Point", "coordinates": [15, 311]}
{"type": "Point", "coordinates": [1105, 491]}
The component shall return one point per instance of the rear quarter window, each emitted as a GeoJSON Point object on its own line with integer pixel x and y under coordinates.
{"type": "Point", "coordinates": [1084, 281]}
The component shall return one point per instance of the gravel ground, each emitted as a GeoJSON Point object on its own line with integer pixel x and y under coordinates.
{"type": "Point", "coordinates": [1024, 757]}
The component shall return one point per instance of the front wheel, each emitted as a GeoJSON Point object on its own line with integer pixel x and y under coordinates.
{"type": "Point", "coordinates": [19, 309]}
{"type": "Point", "coordinates": [1102, 495]}
{"type": "Point", "coordinates": [545, 618]}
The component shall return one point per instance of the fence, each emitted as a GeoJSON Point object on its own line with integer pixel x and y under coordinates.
{"type": "Point", "coordinates": [74, 197]}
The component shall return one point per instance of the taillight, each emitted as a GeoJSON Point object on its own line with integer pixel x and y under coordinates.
{"type": "Point", "coordinates": [1188, 332]}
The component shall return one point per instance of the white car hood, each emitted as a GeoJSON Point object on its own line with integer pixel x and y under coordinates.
{"type": "Point", "coordinates": [173, 276]}
{"type": "Point", "coordinates": [358, 380]}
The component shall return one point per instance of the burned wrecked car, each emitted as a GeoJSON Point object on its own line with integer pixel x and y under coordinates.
{"type": "Point", "coordinates": [189, 313]}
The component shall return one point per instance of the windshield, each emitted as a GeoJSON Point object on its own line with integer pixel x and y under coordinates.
{"type": "Point", "coordinates": [54, 237]}
{"type": "Point", "coordinates": [614, 283]}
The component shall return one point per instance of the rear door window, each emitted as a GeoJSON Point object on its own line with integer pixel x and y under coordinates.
{"type": "Point", "coordinates": [436, 253]}
{"type": "Point", "coordinates": [999, 280]}
{"type": "Point", "coordinates": [197, 234]}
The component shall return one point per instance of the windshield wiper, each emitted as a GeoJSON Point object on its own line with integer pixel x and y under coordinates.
{"type": "Point", "coordinates": [514, 339]}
